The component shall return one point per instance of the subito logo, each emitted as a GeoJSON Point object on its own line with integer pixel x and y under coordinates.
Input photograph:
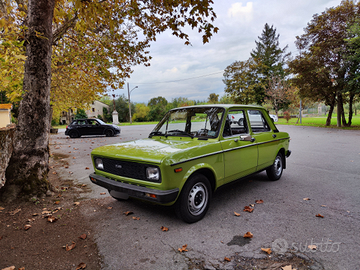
{"type": "Point", "coordinates": [280, 246]}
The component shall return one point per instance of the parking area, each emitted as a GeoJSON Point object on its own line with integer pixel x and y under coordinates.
{"type": "Point", "coordinates": [322, 178]}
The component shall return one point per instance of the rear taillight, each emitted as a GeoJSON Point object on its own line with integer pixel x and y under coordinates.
{"type": "Point", "coordinates": [66, 127]}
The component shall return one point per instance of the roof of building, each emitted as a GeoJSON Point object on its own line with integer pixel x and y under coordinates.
{"type": "Point", "coordinates": [5, 106]}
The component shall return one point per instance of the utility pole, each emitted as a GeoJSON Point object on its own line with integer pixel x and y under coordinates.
{"type": "Point", "coordinates": [129, 92]}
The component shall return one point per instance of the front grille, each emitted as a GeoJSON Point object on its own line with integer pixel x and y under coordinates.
{"type": "Point", "coordinates": [126, 169]}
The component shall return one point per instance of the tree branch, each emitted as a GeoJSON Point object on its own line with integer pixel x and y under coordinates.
{"type": "Point", "coordinates": [60, 32]}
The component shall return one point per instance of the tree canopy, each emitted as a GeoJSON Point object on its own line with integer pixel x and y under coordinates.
{"type": "Point", "coordinates": [247, 81]}
{"type": "Point", "coordinates": [325, 64]}
{"type": "Point", "coordinates": [74, 49]}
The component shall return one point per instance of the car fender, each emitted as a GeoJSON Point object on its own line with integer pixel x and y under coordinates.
{"type": "Point", "coordinates": [199, 168]}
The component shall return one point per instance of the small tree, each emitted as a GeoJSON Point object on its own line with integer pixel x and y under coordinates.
{"type": "Point", "coordinates": [80, 114]}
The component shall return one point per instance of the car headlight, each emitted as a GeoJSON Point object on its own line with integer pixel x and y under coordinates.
{"type": "Point", "coordinates": [99, 164]}
{"type": "Point", "coordinates": [153, 173]}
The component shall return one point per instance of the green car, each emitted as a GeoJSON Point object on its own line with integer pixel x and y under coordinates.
{"type": "Point", "coordinates": [191, 152]}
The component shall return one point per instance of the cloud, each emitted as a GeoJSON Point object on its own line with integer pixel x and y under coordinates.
{"type": "Point", "coordinates": [238, 11]}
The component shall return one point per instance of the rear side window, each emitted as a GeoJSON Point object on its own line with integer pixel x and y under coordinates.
{"type": "Point", "coordinates": [257, 121]}
{"type": "Point", "coordinates": [235, 123]}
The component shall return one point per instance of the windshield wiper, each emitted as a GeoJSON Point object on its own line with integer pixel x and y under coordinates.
{"type": "Point", "coordinates": [155, 133]}
{"type": "Point", "coordinates": [179, 131]}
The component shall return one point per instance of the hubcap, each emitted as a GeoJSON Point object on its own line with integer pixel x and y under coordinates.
{"type": "Point", "coordinates": [278, 165]}
{"type": "Point", "coordinates": [197, 199]}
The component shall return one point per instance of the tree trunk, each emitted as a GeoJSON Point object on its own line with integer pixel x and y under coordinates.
{"type": "Point", "coordinates": [339, 107]}
{"type": "Point", "coordinates": [328, 119]}
{"type": "Point", "coordinates": [28, 167]}
{"type": "Point", "coordinates": [351, 100]}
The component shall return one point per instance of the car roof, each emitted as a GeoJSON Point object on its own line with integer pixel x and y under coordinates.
{"type": "Point", "coordinates": [225, 106]}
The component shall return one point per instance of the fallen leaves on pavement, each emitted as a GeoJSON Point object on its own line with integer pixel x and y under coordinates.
{"type": "Point", "coordinates": [248, 209]}
{"type": "Point", "coordinates": [81, 266]}
{"type": "Point", "coordinates": [236, 214]}
{"type": "Point", "coordinates": [318, 215]}
{"type": "Point", "coordinates": [227, 259]}
{"type": "Point", "coordinates": [12, 213]}
{"type": "Point", "coordinates": [248, 235]}
{"type": "Point", "coordinates": [267, 250]}
{"type": "Point", "coordinates": [259, 201]}
{"type": "Point", "coordinates": [72, 246]}
{"type": "Point", "coordinates": [27, 226]}
{"type": "Point", "coordinates": [128, 213]}
{"type": "Point", "coordinates": [183, 248]}
{"type": "Point", "coordinates": [83, 236]}
{"type": "Point", "coordinates": [164, 229]}
{"type": "Point", "coordinates": [312, 247]}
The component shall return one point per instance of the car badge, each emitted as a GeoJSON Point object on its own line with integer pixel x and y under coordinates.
{"type": "Point", "coordinates": [118, 166]}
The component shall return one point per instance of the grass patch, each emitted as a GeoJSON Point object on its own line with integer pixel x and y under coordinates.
{"type": "Point", "coordinates": [320, 122]}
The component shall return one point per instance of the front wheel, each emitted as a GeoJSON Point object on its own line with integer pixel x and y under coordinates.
{"type": "Point", "coordinates": [109, 133]}
{"type": "Point", "coordinates": [194, 199]}
{"type": "Point", "coordinates": [275, 171]}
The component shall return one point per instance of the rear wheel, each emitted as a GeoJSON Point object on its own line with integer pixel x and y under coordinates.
{"type": "Point", "coordinates": [74, 134]}
{"type": "Point", "coordinates": [275, 171]}
{"type": "Point", "coordinates": [194, 199]}
{"type": "Point", "coordinates": [109, 133]}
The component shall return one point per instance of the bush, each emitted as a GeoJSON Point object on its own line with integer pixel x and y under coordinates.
{"type": "Point", "coordinates": [287, 116]}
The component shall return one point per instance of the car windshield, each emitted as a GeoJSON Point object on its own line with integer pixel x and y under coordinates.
{"type": "Point", "coordinates": [101, 122]}
{"type": "Point", "coordinates": [201, 122]}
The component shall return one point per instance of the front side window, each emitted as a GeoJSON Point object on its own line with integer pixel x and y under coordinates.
{"type": "Point", "coordinates": [235, 123]}
{"type": "Point", "coordinates": [192, 122]}
{"type": "Point", "coordinates": [257, 121]}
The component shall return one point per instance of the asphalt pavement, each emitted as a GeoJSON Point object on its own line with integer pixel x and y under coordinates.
{"type": "Point", "coordinates": [322, 178]}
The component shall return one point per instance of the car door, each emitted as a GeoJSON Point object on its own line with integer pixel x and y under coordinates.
{"type": "Point", "coordinates": [265, 138]}
{"type": "Point", "coordinates": [240, 152]}
{"type": "Point", "coordinates": [95, 128]}
{"type": "Point", "coordinates": [81, 126]}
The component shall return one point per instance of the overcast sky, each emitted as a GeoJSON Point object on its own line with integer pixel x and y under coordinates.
{"type": "Point", "coordinates": [196, 71]}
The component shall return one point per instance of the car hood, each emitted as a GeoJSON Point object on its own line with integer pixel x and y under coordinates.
{"type": "Point", "coordinates": [147, 150]}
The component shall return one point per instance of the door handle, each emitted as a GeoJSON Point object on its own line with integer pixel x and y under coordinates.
{"type": "Point", "coordinates": [252, 139]}
{"type": "Point", "coordinates": [274, 136]}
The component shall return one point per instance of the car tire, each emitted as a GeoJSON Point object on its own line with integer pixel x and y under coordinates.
{"type": "Point", "coordinates": [275, 171]}
{"type": "Point", "coordinates": [74, 134]}
{"type": "Point", "coordinates": [109, 133]}
{"type": "Point", "coordinates": [194, 199]}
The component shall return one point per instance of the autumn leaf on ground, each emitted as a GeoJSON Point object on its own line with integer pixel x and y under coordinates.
{"type": "Point", "coordinates": [72, 246]}
{"type": "Point", "coordinates": [12, 213]}
{"type": "Point", "coordinates": [267, 250]}
{"type": "Point", "coordinates": [52, 219]}
{"type": "Point", "coordinates": [318, 215]}
{"type": "Point", "coordinates": [103, 193]}
{"type": "Point", "coordinates": [110, 207]}
{"type": "Point", "coordinates": [287, 267]}
{"type": "Point", "coordinates": [66, 166]}
{"type": "Point", "coordinates": [236, 214]}
{"type": "Point", "coordinates": [76, 203]}
{"type": "Point", "coordinates": [83, 236]}
{"type": "Point", "coordinates": [183, 249]}
{"type": "Point", "coordinates": [87, 168]}
{"type": "Point", "coordinates": [313, 247]}
{"type": "Point", "coordinates": [54, 172]}
{"type": "Point", "coordinates": [9, 268]}
{"type": "Point", "coordinates": [56, 202]}
{"type": "Point", "coordinates": [251, 204]}
{"type": "Point", "coordinates": [81, 266]}
{"type": "Point", "coordinates": [2, 208]}
{"type": "Point", "coordinates": [227, 259]}
{"type": "Point", "coordinates": [27, 226]}
{"type": "Point", "coordinates": [248, 209]}
{"type": "Point", "coordinates": [306, 199]}
{"type": "Point", "coordinates": [259, 201]}
{"type": "Point", "coordinates": [74, 157]}
{"type": "Point", "coordinates": [248, 235]}
{"type": "Point", "coordinates": [128, 213]}
{"type": "Point", "coordinates": [164, 229]}
{"type": "Point", "coordinates": [135, 218]}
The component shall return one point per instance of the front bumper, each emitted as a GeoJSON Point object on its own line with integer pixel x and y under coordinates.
{"type": "Point", "coordinates": [158, 196]}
